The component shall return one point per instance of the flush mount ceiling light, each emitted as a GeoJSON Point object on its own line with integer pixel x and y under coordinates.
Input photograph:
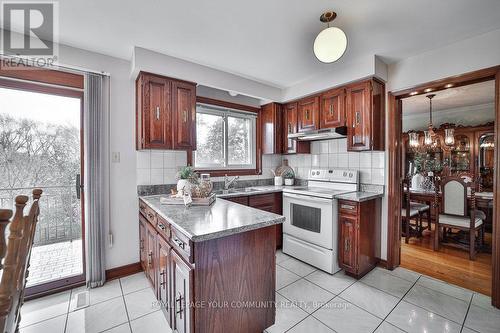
{"type": "Point", "coordinates": [331, 43]}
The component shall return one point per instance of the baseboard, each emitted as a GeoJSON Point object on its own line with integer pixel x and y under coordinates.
{"type": "Point", "coordinates": [121, 271]}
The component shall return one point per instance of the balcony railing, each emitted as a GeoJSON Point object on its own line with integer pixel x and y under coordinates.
{"type": "Point", "coordinates": [60, 212]}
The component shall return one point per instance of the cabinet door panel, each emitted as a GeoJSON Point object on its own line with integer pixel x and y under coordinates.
{"type": "Point", "coordinates": [332, 109]}
{"type": "Point", "coordinates": [163, 278]}
{"type": "Point", "coordinates": [347, 242]}
{"type": "Point", "coordinates": [290, 116]}
{"type": "Point", "coordinates": [359, 116]}
{"type": "Point", "coordinates": [151, 245]}
{"type": "Point", "coordinates": [181, 289]}
{"type": "Point", "coordinates": [271, 128]}
{"type": "Point", "coordinates": [157, 113]}
{"type": "Point", "coordinates": [308, 114]}
{"type": "Point", "coordinates": [142, 243]}
{"type": "Point", "coordinates": [184, 110]}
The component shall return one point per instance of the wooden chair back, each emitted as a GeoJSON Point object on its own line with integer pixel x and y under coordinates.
{"type": "Point", "coordinates": [454, 192]}
{"type": "Point", "coordinates": [14, 258]}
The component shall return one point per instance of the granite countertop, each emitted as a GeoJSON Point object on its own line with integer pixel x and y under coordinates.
{"type": "Point", "coordinates": [222, 218]}
{"type": "Point", "coordinates": [360, 196]}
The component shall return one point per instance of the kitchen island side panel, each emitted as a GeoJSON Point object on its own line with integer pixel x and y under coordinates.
{"type": "Point", "coordinates": [234, 282]}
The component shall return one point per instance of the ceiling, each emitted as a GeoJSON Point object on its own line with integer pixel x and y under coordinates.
{"type": "Point", "coordinates": [270, 41]}
{"type": "Point", "coordinates": [453, 98]}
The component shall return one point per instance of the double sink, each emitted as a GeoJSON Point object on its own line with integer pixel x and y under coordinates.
{"type": "Point", "coordinates": [238, 191]}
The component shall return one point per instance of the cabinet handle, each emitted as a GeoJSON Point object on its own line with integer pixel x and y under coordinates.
{"type": "Point", "coordinates": [350, 207]}
{"type": "Point", "coordinates": [163, 274]}
{"type": "Point", "coordinates": [157, 113]}
{"type": "Point", "coordinates": [161, 226]}
{"type": "Point", "coordinates": [307, 114]}
{"type": "Point", "coordinates": [142, 244]}
{"type": "Point", "coordinates": [150, 258]}
{"type": "Point", "coordinates": [179, 243]}
{"type": "Point", "coordinates": [184, 116]}
{"type": "Point", "coordinates": [346, 245]}
{"type": "Point", "coordinates": [358, 117]}
{"type": "Point", "coordinates": [289, 127]}
{"type": "Point", "coordinates": [150, 215]}
{"type": "Point", "coordinates": [331, 109]}
{"type": "Point", "coordinates": [180, 306]}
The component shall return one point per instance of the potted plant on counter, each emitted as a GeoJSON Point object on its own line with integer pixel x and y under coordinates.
{"type": "Point", "coordinates": [289, 176]}
{"type": "Point", "coordinates": [185, 177]}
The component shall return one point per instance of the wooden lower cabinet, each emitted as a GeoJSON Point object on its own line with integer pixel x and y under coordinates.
{"type": "Point", "coordinates": [272, 202]}
{"type": "Point", "coordinates": [223, 271]}
{"type": "Point", "coordinates": [359, 236]}
{"type": "Point", "coordinates": [182, 278]}
{"type": "Point", "coordinates": [150, 253]}
{"type": "Point", "coordinates": [164, 280]}
{"type": "Point", "coordinates": [142, 242]}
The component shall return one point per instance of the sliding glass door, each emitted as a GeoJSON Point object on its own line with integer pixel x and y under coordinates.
{"type": "Point", "coordinates": [41, 147]}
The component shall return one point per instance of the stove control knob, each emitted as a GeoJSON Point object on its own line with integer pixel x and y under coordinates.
{"type": "Point", "coordinates": [350, 174]}
{"type": "Point", "coordinates": [345, 173]}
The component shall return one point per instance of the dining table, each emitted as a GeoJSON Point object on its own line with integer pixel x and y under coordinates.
{"type": "Point", "coordinates": [484, 202]}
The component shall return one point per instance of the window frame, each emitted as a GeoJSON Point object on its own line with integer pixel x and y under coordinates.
{"type": "Point", "coordinates": [233, 170]}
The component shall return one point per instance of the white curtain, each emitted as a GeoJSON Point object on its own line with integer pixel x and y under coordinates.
{"type": "Point", "coordinates": [96, 117]}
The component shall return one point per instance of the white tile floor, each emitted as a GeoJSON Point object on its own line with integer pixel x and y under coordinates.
{"type": "Point", "coordinates": [308, 300]}
{"type": "Point", "coordinates": [124, 305]}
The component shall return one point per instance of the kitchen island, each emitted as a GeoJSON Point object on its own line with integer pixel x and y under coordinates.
{"type": "Point", "coordinates": [212, 267]}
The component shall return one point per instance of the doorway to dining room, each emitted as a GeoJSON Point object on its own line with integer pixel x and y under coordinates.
{"type": "Point", "coordinates": [448, 153]}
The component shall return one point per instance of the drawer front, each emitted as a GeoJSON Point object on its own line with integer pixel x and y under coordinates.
{"type": "Point", "coordinates": [163, 227]}
{"type": "Point", "coordinates": [261, 200]}
{"type": "Point", "coordinates": [348, 207]}
{"type": "Point", "coordinates": [181, 244]}
{"type": "Point", "coordinates": [142, 208]}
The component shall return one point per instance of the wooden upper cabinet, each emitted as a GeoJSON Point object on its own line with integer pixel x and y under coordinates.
{"type": "Point", "coordinates": [365, 116]}
{"type": "Point", "coordinates": [270, 120]}
{"type": "Point", "coordinates": [332, 109]}
{"type": "Point", "coordinates": [308, 114]}
{"type": "Point", "coordinates": [290, 127]}
{"type": "Point", "coordinates": [165, 113]}
{"type": "Point", "coordinates": [184, 112]}
{"type": "Point", "coordinates": [153, 112]}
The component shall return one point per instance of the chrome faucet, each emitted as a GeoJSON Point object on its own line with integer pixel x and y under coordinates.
{"type": "Point", "coordinates": [229, 181]}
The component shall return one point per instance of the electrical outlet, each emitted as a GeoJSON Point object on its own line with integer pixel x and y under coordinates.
{"type": "Point", "coordinates": [115, 157]}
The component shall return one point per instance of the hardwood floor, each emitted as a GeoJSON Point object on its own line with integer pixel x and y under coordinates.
{"type": "Point", "coordinates": [448, 264]}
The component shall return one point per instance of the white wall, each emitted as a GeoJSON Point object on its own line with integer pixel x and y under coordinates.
{"type": "Point", "coordinates": [149, 61]}
{"type": "Point", "coordinates": [465, 116]}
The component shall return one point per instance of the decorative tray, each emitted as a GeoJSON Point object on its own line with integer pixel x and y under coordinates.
{"type": "Point", "coordinates": [170, 200]}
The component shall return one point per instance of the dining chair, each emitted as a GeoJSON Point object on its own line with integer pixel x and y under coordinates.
{"type": "Point", "coordinates": [454, 214]}
{"type": "Point", "coordinates": [408, 213]}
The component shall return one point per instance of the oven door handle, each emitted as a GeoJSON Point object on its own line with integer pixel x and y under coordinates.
{"type": "Point", "coordinates": [306, 197]}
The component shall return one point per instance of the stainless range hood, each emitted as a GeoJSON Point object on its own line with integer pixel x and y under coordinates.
{"type": "Point", "coordinates": [322, 134]}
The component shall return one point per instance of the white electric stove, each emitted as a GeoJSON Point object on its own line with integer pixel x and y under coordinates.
{"type": "Point", "coordinates": [310, 231]}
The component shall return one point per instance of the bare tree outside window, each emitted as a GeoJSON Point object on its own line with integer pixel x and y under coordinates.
{"type": "Point", "coordinates": [225, 139]}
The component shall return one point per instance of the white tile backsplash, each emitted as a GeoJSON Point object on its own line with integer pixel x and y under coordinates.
{"type": "Point", "coordinates": [156, 160]}
{"type": "Point", "coordinates": [156, 167]}
{"type": "Point", "coordinates": [333, 154]}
